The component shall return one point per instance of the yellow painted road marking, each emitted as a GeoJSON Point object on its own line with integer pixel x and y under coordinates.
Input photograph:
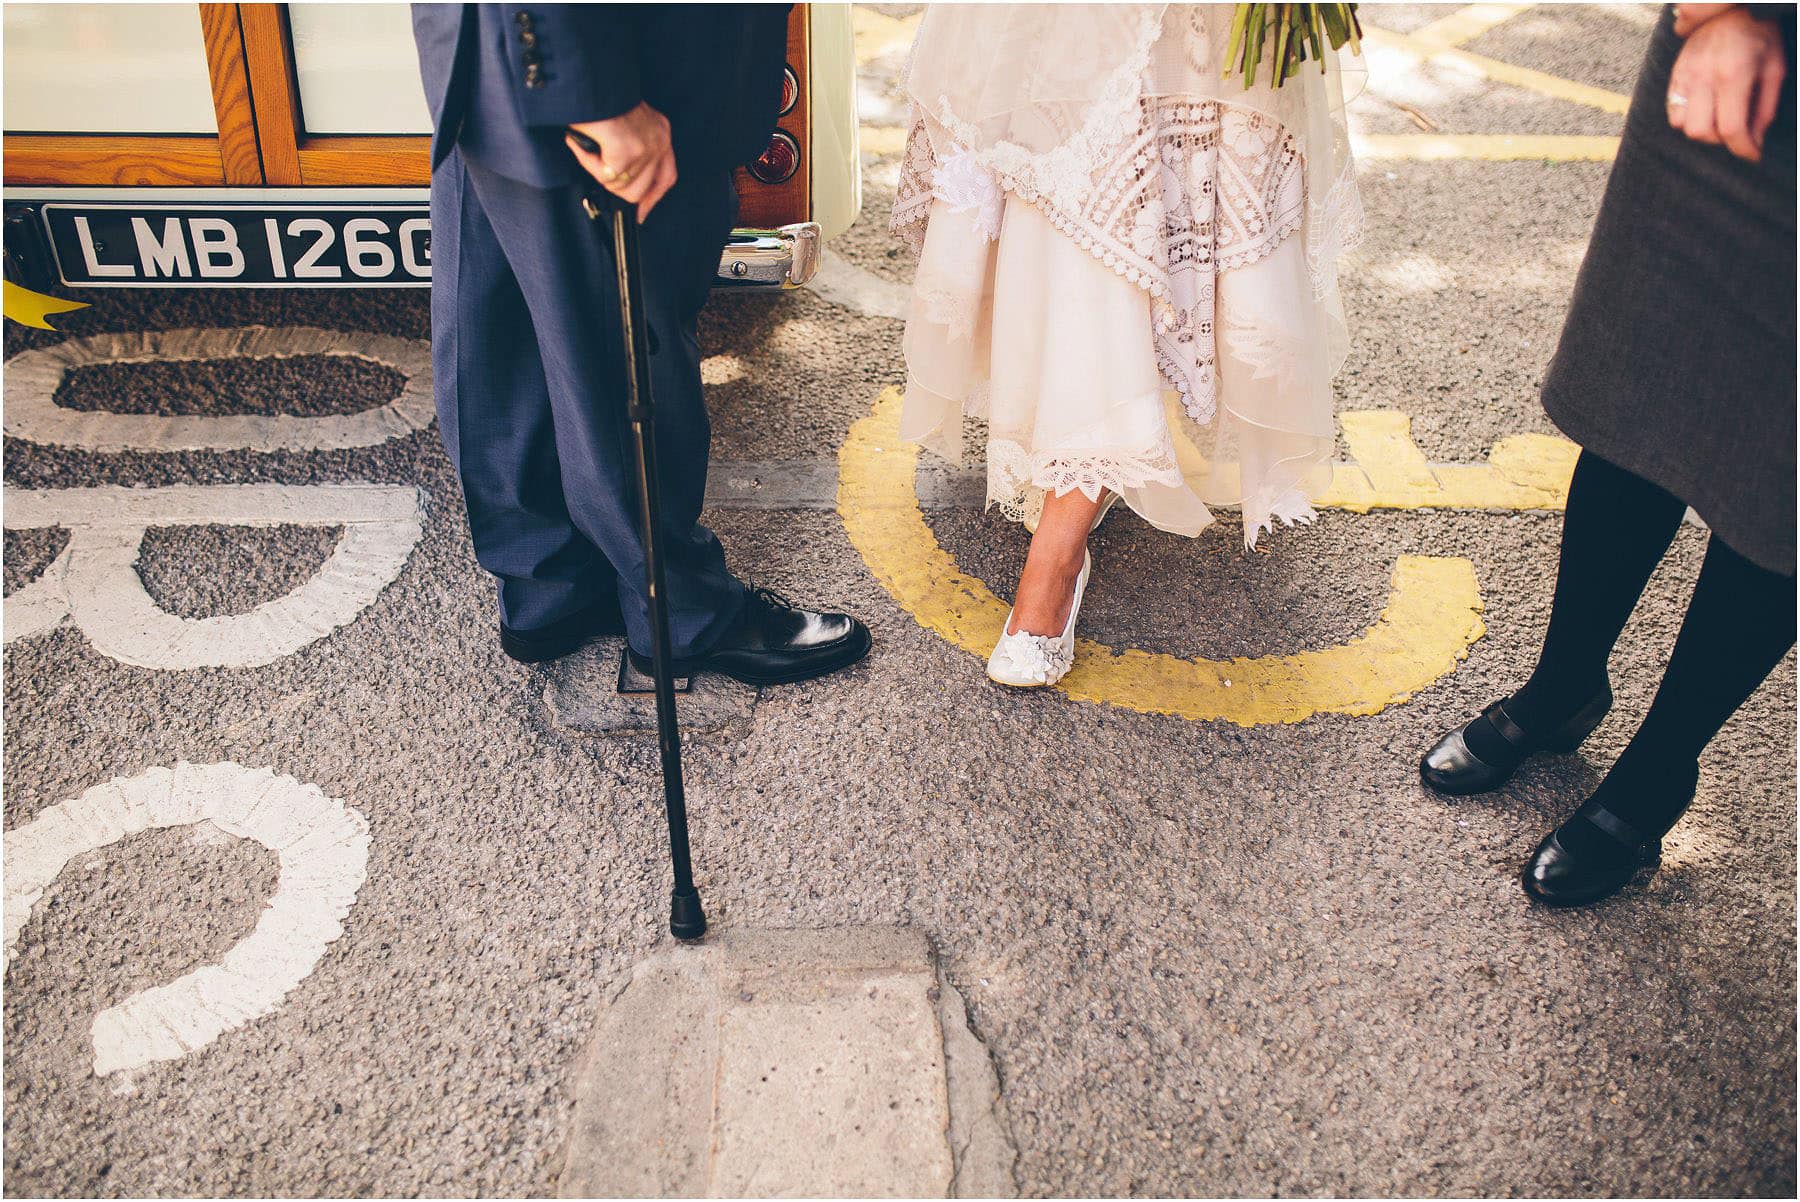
{"type": "Point", "coordinates": [30, 308]}
{"type": "Point", "coordinates": [1556, 148]}
{"type": "Point", "coordinates": [1431, 619]}
{"type": "Point", "coordinates": [1553, 86]}
{"type": "Point", "coordinates": [1467, 24]}
{"type": "Point", "coordinates": [1381, 443]}
{"type": "Point", "coordinates": [1523, 471]}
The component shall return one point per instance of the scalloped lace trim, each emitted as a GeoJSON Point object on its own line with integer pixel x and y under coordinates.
{"type": "Point", "coordinates": [1019, 479]}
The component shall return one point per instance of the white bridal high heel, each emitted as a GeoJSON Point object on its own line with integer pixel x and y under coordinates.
{"type": "Point", "coordinates": [1032, 661]}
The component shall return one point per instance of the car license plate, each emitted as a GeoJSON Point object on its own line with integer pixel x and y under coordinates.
{"type": "Point", "coordinates": [135, 245]}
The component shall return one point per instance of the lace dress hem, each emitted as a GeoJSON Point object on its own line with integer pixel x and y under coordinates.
{"type": "Point", "coordinates": [1210, 221]}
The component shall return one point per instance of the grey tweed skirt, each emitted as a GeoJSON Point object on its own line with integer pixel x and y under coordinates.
{"type": "Point", "coordinates": [1677, 358]}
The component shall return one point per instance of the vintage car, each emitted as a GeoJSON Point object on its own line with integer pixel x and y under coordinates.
{"type": "Point", "coordinates": [286, 145]}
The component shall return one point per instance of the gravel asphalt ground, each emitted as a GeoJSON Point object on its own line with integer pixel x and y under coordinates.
{"type": "Point", "coordinates": [1207, 958]}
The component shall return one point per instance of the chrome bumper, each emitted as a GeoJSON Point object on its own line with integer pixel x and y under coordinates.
{"type": "Point", "coordinates": [783, 258]}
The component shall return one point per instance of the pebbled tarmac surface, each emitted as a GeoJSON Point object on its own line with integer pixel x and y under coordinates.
{"type": "Point", "coordinates": [1206, 959]}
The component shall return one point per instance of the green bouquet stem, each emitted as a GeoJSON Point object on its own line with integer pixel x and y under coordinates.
{"type": "Point", "coordinates": [1291, 34]}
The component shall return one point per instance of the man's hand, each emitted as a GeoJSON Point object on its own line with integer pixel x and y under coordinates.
{"type": "Point", "coordinates": [636, 162]}
{"type": "Point", "coordinates": [1726, 84]}
{"type": "Point", "coordinates": [1689, 17]}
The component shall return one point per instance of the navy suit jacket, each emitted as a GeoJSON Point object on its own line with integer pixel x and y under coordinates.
{"type": "Point", "coordinates": [503, 80]}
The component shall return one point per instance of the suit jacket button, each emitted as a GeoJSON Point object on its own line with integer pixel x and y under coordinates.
{"type": "Point", "coordinates": [523, 19]}
{"type": "Point", "coordinates": [528, 38]}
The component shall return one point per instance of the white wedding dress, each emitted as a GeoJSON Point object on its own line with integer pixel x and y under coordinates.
{"type": "Point", "coordinates": [1127, 265]}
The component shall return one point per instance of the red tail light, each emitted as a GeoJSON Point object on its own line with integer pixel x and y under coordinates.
{"type": "Point", "coordinates": [790, 90]}
{"type": "Point", "coordinates": [779, 162]}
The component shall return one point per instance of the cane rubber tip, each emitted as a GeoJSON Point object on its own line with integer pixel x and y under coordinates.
{"type": "Point", "coordinates": [687, 921]}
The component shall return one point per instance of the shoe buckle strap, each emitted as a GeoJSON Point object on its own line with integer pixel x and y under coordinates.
{"type": "Point", "coordinates": [1615, 826]}
{"type": "Point", "coordinates": [1506, 728]}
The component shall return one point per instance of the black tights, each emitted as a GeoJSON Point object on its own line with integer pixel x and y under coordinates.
{"type": "Point", "coordinates": [1739, 624]}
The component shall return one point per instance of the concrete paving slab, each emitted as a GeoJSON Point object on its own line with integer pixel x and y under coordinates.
{"type": "Point", "coordinates": [783, 1063]}
{"type": "Point", "coordinates": [843, 1096]}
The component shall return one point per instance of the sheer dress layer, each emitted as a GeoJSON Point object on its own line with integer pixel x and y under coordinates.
{"type": "Point", "coordinates": [1127, 266]}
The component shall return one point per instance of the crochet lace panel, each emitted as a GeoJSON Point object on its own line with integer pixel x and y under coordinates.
{"type": "Point", "coordinates": [1167, 192]}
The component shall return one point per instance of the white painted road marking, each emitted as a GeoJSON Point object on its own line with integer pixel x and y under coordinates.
{"type": "Point", "coordinates": [323, 846]}
{"type": "Point", "coordinates": [95, 580]}
{"type": "Point", "coordinates": [33, 377]}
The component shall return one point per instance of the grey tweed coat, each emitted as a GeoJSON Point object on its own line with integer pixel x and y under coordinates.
{"type": "Point", "coordinates": [1677, 357]}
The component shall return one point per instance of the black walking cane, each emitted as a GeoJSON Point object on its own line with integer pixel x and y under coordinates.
{"type": "Point", "coordinates": [686, 918]}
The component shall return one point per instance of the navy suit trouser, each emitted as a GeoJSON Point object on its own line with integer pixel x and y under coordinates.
{"type": "Point", "coordinates": [530, 380]}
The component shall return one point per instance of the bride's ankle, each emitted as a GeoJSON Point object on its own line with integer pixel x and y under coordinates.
{"type": "Point", "coordinates": [1055, 562]}
{"type": "Point", "coordinates": [1045, 595]}
{"type": "Point", "coordinates": [1059, 573]}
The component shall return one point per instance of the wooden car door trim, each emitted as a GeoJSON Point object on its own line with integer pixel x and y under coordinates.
{"type": "Point", "coordinates": [275, 89]}
{"type": "Point", "coordinates": [239, 160]}
{"type": "Point", "coordinates": [291, 156]}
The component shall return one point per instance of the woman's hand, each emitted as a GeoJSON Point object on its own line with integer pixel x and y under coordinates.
{"type": "Point", "coordinates": [1727, 81]}
{"type": "Point", "coordinates": [636, 162]}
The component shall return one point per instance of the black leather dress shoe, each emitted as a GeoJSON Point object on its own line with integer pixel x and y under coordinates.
{"type": "Point", "coordinates": [1560, 876]}
{"type": "Point", "coordinates": [773, 642]}
{"type": "Point", "coordinates": [599, 620]}
{"type": "Point", "coordinates": [1452, 766]}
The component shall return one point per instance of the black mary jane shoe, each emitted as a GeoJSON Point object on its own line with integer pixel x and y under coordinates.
{"type": "Point", "coordinates": [599, 620]}
{"type": "Point", "coordinates": [1558, 876]}
{"type": "Point", "coordinates": [1451, 766]}
{"type": "Point", "coordinates": [775, 642]}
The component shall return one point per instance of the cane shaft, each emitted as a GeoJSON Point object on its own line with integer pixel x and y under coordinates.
{"type": "Point", "coordinates": [641, 413]}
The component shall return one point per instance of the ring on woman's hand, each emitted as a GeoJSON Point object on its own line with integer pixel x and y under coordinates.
{"type": "Point", "coordinates": [1677, 100]}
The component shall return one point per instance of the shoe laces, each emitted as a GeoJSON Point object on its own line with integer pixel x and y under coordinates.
{"type": "Point", "coordinates": [770, 598]}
